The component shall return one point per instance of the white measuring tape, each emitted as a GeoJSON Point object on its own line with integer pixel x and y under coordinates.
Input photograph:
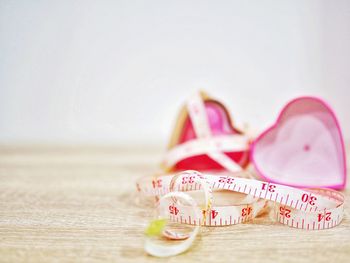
{"type": "Point", "coordinates": [163, 209]}
{"type": "Point", "coordinates": [310, 209]}
{"type": "Point", "coordinates": [205, 143]}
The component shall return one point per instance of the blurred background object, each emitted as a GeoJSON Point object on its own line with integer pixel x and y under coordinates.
{"type": "Point", "coordinates": [116, 72]}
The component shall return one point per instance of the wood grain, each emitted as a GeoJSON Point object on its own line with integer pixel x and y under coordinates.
{"type": "Point", "coordinates": [79, 204]}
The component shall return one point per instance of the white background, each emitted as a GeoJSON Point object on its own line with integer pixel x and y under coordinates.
{"type": "Point", "coordinates": [117, 71]}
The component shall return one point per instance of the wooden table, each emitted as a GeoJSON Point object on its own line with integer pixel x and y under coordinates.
{"type": "Point", "coordinates": [78, 204]}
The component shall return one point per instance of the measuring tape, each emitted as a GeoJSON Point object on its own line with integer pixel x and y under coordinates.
{"type": "Point", "coordinates": [205, 143]}
{"type": "Point", "coordinates": [310, 209]}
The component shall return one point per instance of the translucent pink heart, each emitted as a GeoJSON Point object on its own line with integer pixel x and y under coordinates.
{"type": "Point", "coordinates": [304, 148]}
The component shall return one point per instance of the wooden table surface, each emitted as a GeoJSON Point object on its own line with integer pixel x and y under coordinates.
{"type": "Point", "coordinates": [79, 204]}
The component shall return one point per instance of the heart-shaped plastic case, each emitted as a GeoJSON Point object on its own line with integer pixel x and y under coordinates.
{"type": "Point", "coordinates": [304, 148]}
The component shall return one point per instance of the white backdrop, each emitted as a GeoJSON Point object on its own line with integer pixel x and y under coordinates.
{"type": "Point", "coordinates": [117, 71]}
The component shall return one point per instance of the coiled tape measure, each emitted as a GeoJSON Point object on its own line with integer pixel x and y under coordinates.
{"type": "Point", "coordinates": [310, 209]}
{"type": "Point", "coordinates": [176, 202]}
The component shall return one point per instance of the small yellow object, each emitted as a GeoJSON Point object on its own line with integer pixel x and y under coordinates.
{"type": "Point", "coordinates": [155, 227]}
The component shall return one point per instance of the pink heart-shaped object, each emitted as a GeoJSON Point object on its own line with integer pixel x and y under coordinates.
{"type": "Point", "coordinates": [219, 124]}
{"type": "Point", "coordinates": [304, 148]}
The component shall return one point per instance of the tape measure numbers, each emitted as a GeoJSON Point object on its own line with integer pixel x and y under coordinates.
{"type": "Point", "coordinates": [311, 209]}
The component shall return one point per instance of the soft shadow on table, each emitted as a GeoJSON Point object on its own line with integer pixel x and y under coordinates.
{"type": "Point", "coordinates": [132, 252]}
{"type": "Point", "coordinates": [137, 252]}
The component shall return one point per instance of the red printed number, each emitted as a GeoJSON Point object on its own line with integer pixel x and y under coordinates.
{"type": "Point", "coordinates": [285, 212]}
{"type": "Point", "coordinates": [225, 179]}
{"type": "Point", "coordinates": [173, 210]}
{"type": "Point", "coordinates": [308, 199]}
{"type": "Point", "coordinates": [188, 180]}
{"type": "Point", "coordinates": [213, 214]}
{"type": "Point", "coordinates": [271, 187]}
{"type": "Point", "coordinates": [326, 216]}
{"type": "Point", "coordinates": [157, 183]}
{"type": "Point", "coordinates": [246, 211]}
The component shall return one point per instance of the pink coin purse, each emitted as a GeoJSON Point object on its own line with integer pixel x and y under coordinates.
{"type": "Point", "coordinates": [304, 148]}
